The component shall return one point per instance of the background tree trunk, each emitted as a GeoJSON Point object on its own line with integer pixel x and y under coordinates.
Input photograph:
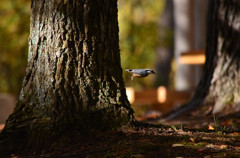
{"type": "Point", "coordinates": [74, 76]}
{"type": "Point", "coordinates": [219, 85]}
{"type": "Point", "coordinates": [165, 50]}
{"type": "Point", "coordinates": [225, 83]}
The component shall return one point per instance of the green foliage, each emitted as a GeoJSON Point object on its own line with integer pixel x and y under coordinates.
{"type": "Point", "coordinates": [14, 32]}
{"type": "Point", "coordinates": [139, 36]}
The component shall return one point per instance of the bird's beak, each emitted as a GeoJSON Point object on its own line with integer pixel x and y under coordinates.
{"type": "Point", "coordinates": [153, 72]}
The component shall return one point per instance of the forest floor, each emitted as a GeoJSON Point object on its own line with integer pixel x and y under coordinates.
{"type": "Point", "coordinates": [187, 137]}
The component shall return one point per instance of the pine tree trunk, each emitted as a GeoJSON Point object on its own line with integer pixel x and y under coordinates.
{"type": "Point", "coordinates": [74, 76]}
{"type": "Point", "coordinates": [225, 83]}
{"type": "Point", "coordinates": [221, 79]}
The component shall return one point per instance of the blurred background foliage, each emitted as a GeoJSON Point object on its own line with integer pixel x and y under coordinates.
{"type": "Point", "coordinates": [14, 32]}
{"type": "Point", "coordinates": [139, 38]}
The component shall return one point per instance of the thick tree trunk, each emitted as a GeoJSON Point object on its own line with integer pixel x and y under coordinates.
{"type": "Point", "coordinates": [226, 77]}
{"type": "Point", "coordinates": [221, 79]}
{"type": "Point", "coordinates": [74, 76]}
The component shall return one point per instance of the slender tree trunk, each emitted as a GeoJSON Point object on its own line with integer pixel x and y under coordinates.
{"type": "Point", "coordinates": [221, 79]}
{"type": "Point", "coordinates": [74, 76]}
{"type": "Point", "coordinates": [165, 50]}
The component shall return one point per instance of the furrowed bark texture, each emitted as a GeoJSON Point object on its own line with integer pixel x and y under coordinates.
{"type": "Point", "coordinates": [74, 76]}
{"type": "Point", "coordinates": [221, 79]}
{"type": "Point", "coordinates": [226, 77]}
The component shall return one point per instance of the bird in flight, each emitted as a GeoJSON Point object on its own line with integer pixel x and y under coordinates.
{"type": "Point", "coordinates": [140, 72]}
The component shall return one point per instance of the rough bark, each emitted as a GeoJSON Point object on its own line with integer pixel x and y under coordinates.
{"type": "Point", "coordinates": [226, 77]}
{"type": "Point", "coordinates": [74, 76]}
{"type": "Point", "coordinates": [220, 82]}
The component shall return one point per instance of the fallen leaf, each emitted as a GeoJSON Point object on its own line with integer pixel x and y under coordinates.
{"type": "Point", "coordinates": [223, 146]}
{"type": "Point", "coordinates": [210, 146]}
{"type": "Point", "coordinates": [206, 138]}
{"type": "Point", "coordinates": [237, 147]}
{"type": "Point", "coordinates": [182, 132]}
{"type": "Point", "coordinates": [178, 145]}
{"type": "Point", "coordinates": [210, 127]}
{"type": "Point", "coordinates": [191, 139]}
{"type": "Point", "coordinates": [227, 123]}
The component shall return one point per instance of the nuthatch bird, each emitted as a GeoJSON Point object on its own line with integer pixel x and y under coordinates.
{"type": "Point", "coordinates": [140, 72]}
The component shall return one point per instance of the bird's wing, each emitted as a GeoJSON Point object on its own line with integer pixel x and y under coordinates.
{"type": "Point", "coordinates": [140, 72]}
